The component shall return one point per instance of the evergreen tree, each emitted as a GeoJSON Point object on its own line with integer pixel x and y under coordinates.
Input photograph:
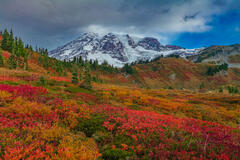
{"type": "Point", "coordinates": [215, 69]}
{"type": "Point", "coordinates": [27, 55]}
{"type": "Point", "coordinates": [36, 49]}
{"type": "Point", "coordinates": [80, 61]}
{"type": "Point", "coordinates": [74, 78]}
{"type": "Point", "coordinates": [26, 61]}
{"type": "Point", "coordinates": [10, 42]}
{"type": "Point", "coordinates": [87, 78]}
{"type": "Point", "coordinates": [5, 40]}
{"type": "Point", "coordinates": [80, 76]}
{"type": "Point", "coordinates": [19, 51]}
{"type": "Point", "coordinates": [233, 90]}
{"type": "Point", "coordinates": [42, 81]}
{"type": "Point", "coordinates": [30, 48]}
{"type": "Point", "coordinates": [46, 62]}
{"type": "Point", "coordinates": [201, 86]}
{"type": "Point", "coordinates": [223, 67]}
{"type": "Point", "coordinates": [1, 59]}
{"type": "Point", "coordinates": [22, 50]}
{"type": "Point", "coordinates": [220, 90]}
{"type": "Point", "coordinates": [40, 60]}
{"type": "Point", "coordinates": [58, 67]}
{"type": "Point", "coordinates": [12, 62]}
{"type": "Point", "coordinates": [128, 69]}
{"type": "Point", "coordinates": [46, 52]}
{"type": "Point", "coordinates": [74, 59]}
{"type": "Point", "coordinates": [94, 65]}
{"type": "Point", "coordinates": [210, 71]}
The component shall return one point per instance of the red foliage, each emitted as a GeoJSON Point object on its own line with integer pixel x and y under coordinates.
{"type": "Point", "coordinates": [218, 79]}
{"type": "Point", "coordinates": [8, 78]}
{"type": "Point", "coordinates": [188, 75]}
{"type": "Point", "coordinates": [18, 120]}
{"type": "Point", "coordinates": [36, 150]}
{"type": "Point", "coordinates": [15, 79]}
{"type": "Point", "coordinates": [87, 97]}
{"type": "Point", "coordinates": [5, 54]}
{"type": "Point", "coordinates": [166, 136]}
{"type": "Point", "coordinates": [60, 79]}
{"type": "Point", "coordinates": [24, 90]}
{"type": "Point", "coordinates": [32, 77]}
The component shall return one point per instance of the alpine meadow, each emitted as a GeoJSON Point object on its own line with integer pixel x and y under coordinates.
{"type": "Point", "coordinates": [119, 80]}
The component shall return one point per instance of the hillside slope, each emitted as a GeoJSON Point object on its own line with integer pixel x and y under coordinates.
{"type": "Point", "coordinates": [219, 54]}
{"type": "Point", "coordinates": [180, 74]}
{"type": "Point", "coordinates": [46, 112]}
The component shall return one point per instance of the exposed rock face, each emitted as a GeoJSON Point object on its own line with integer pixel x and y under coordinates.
{"type": "Point", "coordinates": [111, 45]}
{"type": "Point", "coordinates": [151, 44]}
{"type": "Point", "coordinates": [131, 41]}
{"type": "Point", "coordinates": [173, 47]}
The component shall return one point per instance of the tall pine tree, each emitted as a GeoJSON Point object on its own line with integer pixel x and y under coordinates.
{"type": "Point", "coordinates": [74, 78]}
{"type": "Point", "coordinates": [5, 40]}
{"type": "Point", "coordinates": [12, 62]}
{"type": "Point", "coordinates": [87, 77]}
{"type": "Point", "coordinates": [1, 59]}
{"type": "Point", "coordinates": [10, 42]}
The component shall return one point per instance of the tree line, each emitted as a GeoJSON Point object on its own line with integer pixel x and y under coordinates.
{"type": "Point", "coordinates": [15, 46]}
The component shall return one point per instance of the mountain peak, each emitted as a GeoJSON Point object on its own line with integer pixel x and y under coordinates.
{"type": "Point", "coordinates": [117, 49]}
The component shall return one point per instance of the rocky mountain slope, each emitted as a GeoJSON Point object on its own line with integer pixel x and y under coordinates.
{"type": "Point", "coordinates": [117, 50]}
{"type": "Point", "coordinates": [218, 55]}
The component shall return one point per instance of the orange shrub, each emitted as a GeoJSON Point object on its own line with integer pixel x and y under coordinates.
{"type": "Point", "coordinates": [75, 147]}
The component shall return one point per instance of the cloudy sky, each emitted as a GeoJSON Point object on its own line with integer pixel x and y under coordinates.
{"type": "Point", "coordinates": [189, 23]}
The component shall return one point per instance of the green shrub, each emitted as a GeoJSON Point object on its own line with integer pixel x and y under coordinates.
{"type": "Point", "coordinates": [170, 87]}
{"type": "Point", "coordinates": [87, 79]}
{"type": "Point", "coordinates": [103, 137]}
{"type": "Point", "coordinates": [115, 154]}
{"type": "Point", "coordinates": [120, 139]}
{"type": "Point", "coordinates": [42, 81]}
{"type": "Point", "coordinates": [90, 126]}
{"type": "Point", "coordinates": [1, 59]}
{"type": "Point", "coordinates": [220, 90]}
{"type": "Point", "coordinates": [129, 69]}
{"type": "Point", "coordinates": [233, 90]}
{"type": "Point", "coordinates": [155, 68]}
{"type": "Point", "coordinates": [215, 69]}
{"type": "Point", "coordinates": [76, 89]}
{"type": "Point", "coordinates": [2, 146]}
{"type": "Point", "coordinates": [75, 78]}
{"type": "Point", "coordinates": [12, 64]}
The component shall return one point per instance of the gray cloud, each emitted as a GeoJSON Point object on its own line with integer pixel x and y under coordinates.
{"type": "Point", "coordinates": [53, 22]}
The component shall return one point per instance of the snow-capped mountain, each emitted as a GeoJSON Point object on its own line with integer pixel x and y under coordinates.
{"type": "Point", "coordinates": [116, 49]}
